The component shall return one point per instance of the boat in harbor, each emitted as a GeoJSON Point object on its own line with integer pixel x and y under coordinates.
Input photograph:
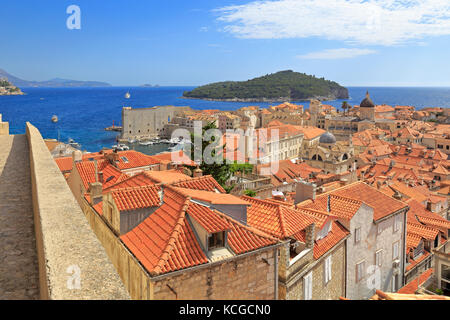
{"type": "Point", "coordinates": [146, 143]}
{"type": "Point", "coordinates": [55, 119]}
{"type": "Point", "coordinates": [127, 95]}
{"type": "Point", "coordinates": [120, 147]}
{"type": "Point", "coordinates": [74, 144]}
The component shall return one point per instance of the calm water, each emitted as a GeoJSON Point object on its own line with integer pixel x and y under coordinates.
{"type": "Point", "coordinates": [84, 112]}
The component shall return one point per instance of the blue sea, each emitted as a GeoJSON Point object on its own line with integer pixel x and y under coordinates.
{"type": "Point", "coordinates": [84, 113]}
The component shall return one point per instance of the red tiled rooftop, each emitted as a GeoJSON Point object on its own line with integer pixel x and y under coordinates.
{"type": "Point", "coordinates": [210, 197]}
{"type": "Point", "coordinates": [337, 233]}
{"type": "Point", "coordinates": [206, 183]}
{"type": "Point", "coordinates": [382, 204]}
{"type": "Point", "coordinates": [210, 221]}
{"type": "Point", "coordinates": [137, 198]}
{"type": "Point", "coordinates": [275, 219]}
{"type": "Point", "coordinates": [165, 242]}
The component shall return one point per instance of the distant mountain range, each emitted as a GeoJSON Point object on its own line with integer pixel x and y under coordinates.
{"type": "Point", "coordinates": [53, 83]}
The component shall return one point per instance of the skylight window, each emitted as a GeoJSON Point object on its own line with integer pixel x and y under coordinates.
{"type": "Point", "coordinates": [124, 159]}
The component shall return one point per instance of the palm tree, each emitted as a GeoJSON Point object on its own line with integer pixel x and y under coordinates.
{"type": "Point", "coordinates": [345, 106]}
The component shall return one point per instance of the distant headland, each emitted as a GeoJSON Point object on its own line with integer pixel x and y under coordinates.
{"type": "Point", "coordinates": [8, 89]}
{"type": "Point", "coordinates": [53, 83]}
{"type": "Point", "coordinates": [281, 86]}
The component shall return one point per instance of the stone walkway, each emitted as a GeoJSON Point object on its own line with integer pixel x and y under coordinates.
{"type": "Point", "coordinates": [19, 276]}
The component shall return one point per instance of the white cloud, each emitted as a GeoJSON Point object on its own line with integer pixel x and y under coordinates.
{"type": "Point", "coordinates": [342, 53]}
{"type": "Point", "coordinates": [373, 22]}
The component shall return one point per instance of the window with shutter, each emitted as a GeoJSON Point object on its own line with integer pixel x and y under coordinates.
{"type": "Point", "coordinates": [395, 251]}
{"type": "Point", "coordinates": [357, 235]}
{"type": "Point", "coordinates": [379, 258]}
{"type": "Point", "coordinates": [307, 285]}
{"type": "Point", "coordinates": [397, 223]}
{"type": "Point", "coordinates": [327, 269]}
{"type": "Point", "coordinates": [359, 271]}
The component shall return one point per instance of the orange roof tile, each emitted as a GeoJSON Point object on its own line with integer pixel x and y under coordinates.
{"type": "Point", "coordinates": [210, 197]}
{"type": "Point", "coordinates": [275, 219]}
{"type": "Point", "coordinates": [412, 287]}
{"type": "Point", "coordinates": [137, 197]}
{"type": "Point", "coordinates": [382, 204]}
{"type": "Point", "coordinates": [340, 206]}
{"type": "Point", "coordinates": [165, 242]}
{"type": "Point", "coordinates": [210, 221]}
{"type": "Point", "coordinates": [336, 234]}
{"type": "Point", "coordinates": [206, 183]}
{"type": "Point", "coordinates": [422, 231]}
{"type": "Point", "coordinates": [168, 176]}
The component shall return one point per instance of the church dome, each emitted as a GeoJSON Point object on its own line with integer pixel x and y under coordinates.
{"type": "Point", "coordinates": [367, 102]}
{"type": "Point", "coordinates": [328, 138]}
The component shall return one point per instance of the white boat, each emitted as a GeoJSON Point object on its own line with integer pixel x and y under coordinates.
{"type": "Point", "coordinates": [120, 147]}
{"type": "Point", "coordinates": [55, 119]}
{"type": "Point", "coordinates": [164, 141]}
{"type": "Point", "coordinates": [127, 95]}
{"type": "Point", "coordinates": [74, 144]}
{"type": "Point", "coordinates": [131, 140]}
{"type": "Point", "coordinates": [146, 143]}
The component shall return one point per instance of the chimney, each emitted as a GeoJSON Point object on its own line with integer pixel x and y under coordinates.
{"type": "Point", "coordinates": [198, 173]}
{"type": "Point", "coordinates": [310, 235]}
{"type": "Point", "coordinates": [77, 156]}
{"type": "Point", "coordinates": [96, 170]}
{"type": "Point", "coordinates": [397, 195]}
{"type": "Point", "coordinates": [95, 192]}
{"type": "Point", "coordinates": [100, 177]}
{"type": "Point", "coordinates": [305, 191]}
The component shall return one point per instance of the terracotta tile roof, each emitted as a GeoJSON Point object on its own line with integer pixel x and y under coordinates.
{"type": "Point", "coordinates": [277, 220]}
{"type": "Point", "coordinates": [413, 263]}
{"type": "Point", "coordinates": [112, 175]}
{"type": "Point", "coordinates": [433, 222]}
{"type": "Point", "coordinates": [383, 205]}
{"type": "Point", "coordinates": [341, 206]}
{"type": "Point", "coordinates": [206, 183]}
{"type": "Point", "coordinates": [138, 180]}
{"type": "Point", "coordinates": [422, 231]}
{"type": "Point", "coordinates": [337, 233]}
{"type": "Point", "coordinates": [86, 169]}
{"type": "Point", "coordinates": [137, 197]}
{"type": "Point", "coordinates": [380, 295]}
{"type": "Point", "coordinates": [412, 240]}
{"type": "Point", "coordinates": [412, 287]}
{"type": "Point", "coordinates": [311, 132]}
{"type": "Point", "coordinates": [165, 242]}
{"type": "Point", "coordinates": [408, 191]}
{"type": "Point", "coordinates": [210, 197]}
{"type": "Point", "coordinates": [133, 159]}
{"type": "Point", "coordinates": [418, 213]}
{"type": "Point", "coordinates": [64, 164]}
{"type": "Point", "coordinates": [210, 221]}
{"type": "Point", "coordinates": [176, 157]}
{"type": "Point", "coordinates": [167, 177]}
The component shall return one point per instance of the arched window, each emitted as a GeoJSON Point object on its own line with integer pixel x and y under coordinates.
{"type": "Point", "coordinates": [344, 157]}
{"type": "Point", "coordinates": [317, 157]}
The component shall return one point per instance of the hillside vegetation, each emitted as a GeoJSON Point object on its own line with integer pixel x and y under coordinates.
{"type": "Point", "coordinates": [281, 86]}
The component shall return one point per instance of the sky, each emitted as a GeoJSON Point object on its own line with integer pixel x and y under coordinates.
{"type": "Point", "coordinates": [190, 43]}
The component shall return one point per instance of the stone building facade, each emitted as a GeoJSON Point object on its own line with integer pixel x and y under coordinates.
{"type": "Point", "coordinates": [147, 122]}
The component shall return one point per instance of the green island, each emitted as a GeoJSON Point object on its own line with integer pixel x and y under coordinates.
{"type": "Point", "coordinates": [281, 86]}
{"type": "Point", "coordinates": [8, 89]}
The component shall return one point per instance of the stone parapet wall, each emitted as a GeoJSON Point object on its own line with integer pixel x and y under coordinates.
{"type": "Point", "coordinates": [68, 250]}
